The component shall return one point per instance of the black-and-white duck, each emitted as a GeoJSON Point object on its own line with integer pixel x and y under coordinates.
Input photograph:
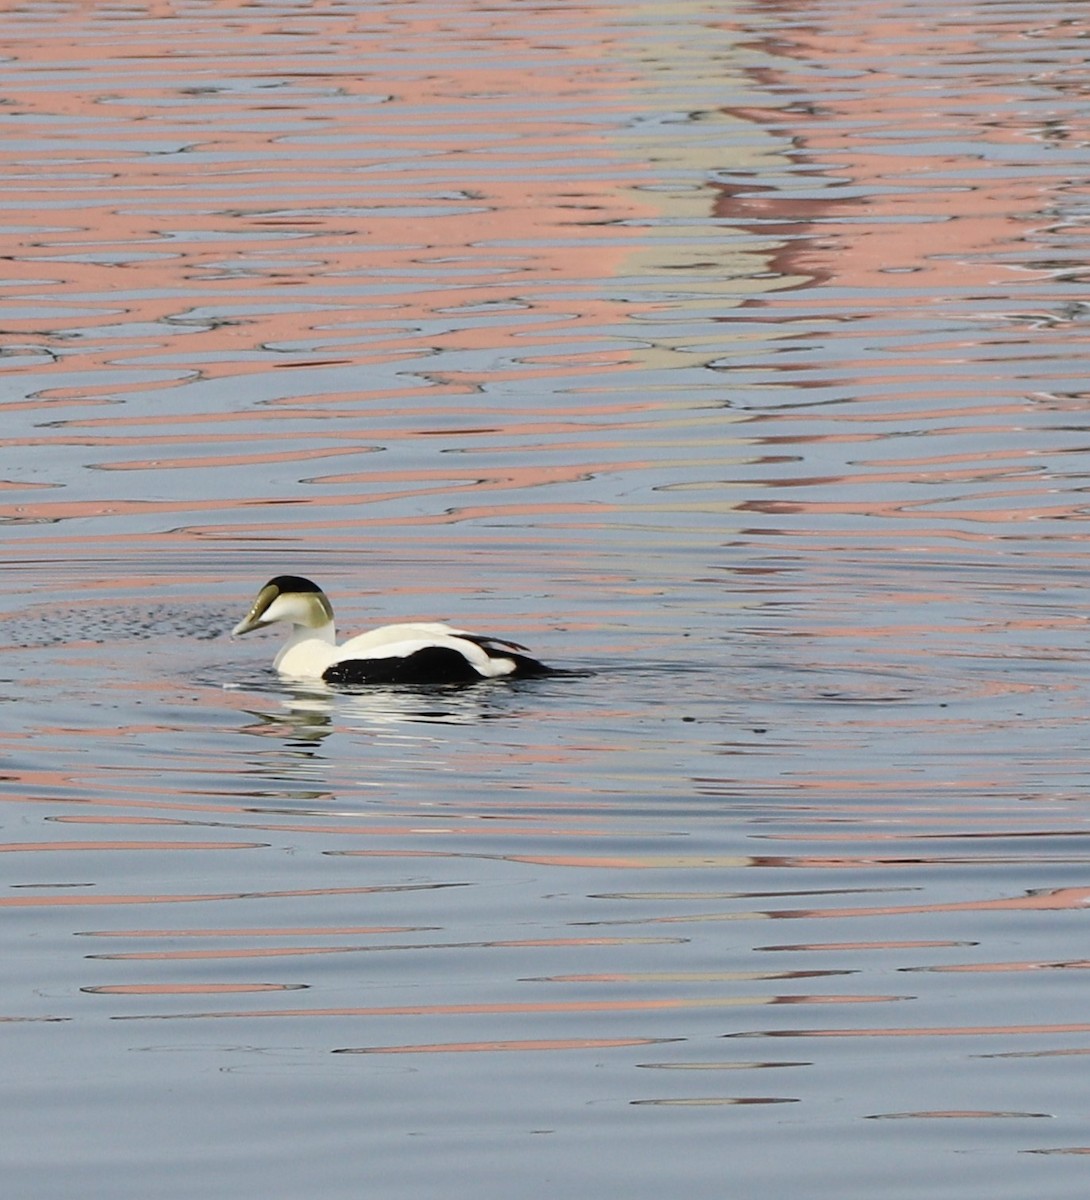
{"type": "Point", "coordinates": [411, 653]}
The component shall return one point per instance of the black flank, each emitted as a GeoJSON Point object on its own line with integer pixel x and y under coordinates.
{"type": "Point", "coordinates": [433, 664]}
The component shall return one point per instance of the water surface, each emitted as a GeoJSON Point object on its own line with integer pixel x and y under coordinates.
{"type": "Point", "coordinates": [732, 355]}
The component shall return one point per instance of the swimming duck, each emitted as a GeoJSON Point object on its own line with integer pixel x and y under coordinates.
{"type": "Point", "coordinates": [412, 653]}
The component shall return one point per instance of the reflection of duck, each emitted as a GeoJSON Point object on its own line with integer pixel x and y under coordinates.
{"type": "Point", "coordinates": [413, 654]}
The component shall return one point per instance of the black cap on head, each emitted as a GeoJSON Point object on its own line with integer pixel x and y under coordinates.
{"type": "Point", "coordinates": [292, 583]}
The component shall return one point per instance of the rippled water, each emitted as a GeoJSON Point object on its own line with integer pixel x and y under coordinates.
{"type": "Point", "coordinates": [733, 355]}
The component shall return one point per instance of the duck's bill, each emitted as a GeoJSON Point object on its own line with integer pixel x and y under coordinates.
{"type": "Point", "coordinates": [252, 620]}
{"type": "Point", "coordinates": [257, 616]}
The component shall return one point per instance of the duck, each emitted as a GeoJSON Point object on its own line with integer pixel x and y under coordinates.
{"type": "Point", "coordinates": [410, 653]}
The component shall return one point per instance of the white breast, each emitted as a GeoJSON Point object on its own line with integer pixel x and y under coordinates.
{"type": "Point", "coordinates": [305, 656]}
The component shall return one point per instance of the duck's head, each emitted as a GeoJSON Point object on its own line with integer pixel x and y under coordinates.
{"type": "Point", "coordinates": [287, 598]}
